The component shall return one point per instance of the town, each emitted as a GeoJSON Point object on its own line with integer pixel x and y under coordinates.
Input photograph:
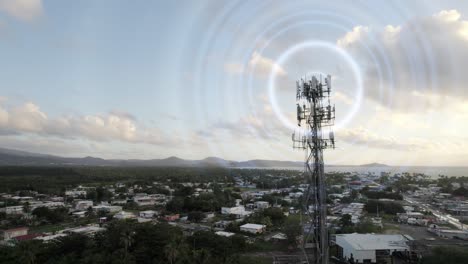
{"type": "Point", "coordinates": [217, 215]}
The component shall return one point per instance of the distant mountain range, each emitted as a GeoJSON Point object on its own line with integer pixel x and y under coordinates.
{"type": "Point", "coordinates": [10, 157]}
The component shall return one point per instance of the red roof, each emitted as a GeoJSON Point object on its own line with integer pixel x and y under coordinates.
{"type": "Point", "coordinates": [27, 237]}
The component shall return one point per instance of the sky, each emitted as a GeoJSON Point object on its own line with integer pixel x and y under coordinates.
{"type": "Point", "coordinates": [152, 79]}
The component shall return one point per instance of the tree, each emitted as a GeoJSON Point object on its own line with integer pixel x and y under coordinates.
{"type": "Point", "coordinates": [275, 214]}
{"type": "Point", "coordinates": [266, 221]}
{"type": "Point", "coordinates": [366, 227]}
{"type": "Point", "coordinates": [292, 229]}
{"type": "Point", "coordinates": [462, 191]}
{"type": "Point", "coordinates": [201, 256]}
{"type": "Point", "coordinates": [391, 208]}
{"type": "Point", "coordinates": [26, 207]}
{"type": "Point", "coordinates": [90, 212]}
{"type": "Point", "coordinates": [52, 216]}
{"type": "Point", "coordinates": [27, 251]}
{"type": "Point", "coordinates": [446, 255]}
{"type": "Point", "coordinates": [195, 216]}
{"type": "Point", "coordinates": [345, 221]}
{"type": "Point", "coordinates": [126, 238]}
{"type": "Point", "coordinates": [175, 205]}
{"type": "Point", "coordinates": [172, 251]}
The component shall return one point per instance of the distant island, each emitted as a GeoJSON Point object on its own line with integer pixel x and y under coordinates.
{"type": "Point", "coordinates": [11, 157]}
{"type": "Point", "coordinates": [374, 165]}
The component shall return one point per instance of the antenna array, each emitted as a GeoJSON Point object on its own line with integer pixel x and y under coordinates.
{"type": "Point", "coordinates": [315, 112]}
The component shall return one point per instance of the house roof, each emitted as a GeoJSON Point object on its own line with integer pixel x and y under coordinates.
{"type": "Point", "coordinates": [252, 226]}
{"type": "Point", "coordinates": [27, 237]}
{"type": "Point", "coordinates": [374, 241]}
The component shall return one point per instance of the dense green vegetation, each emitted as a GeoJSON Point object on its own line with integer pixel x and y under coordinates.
{"type": "Point", "coordinates": [391, 208]}
{"type": "Point", "coordinates": [381, 195]}
{"type": "Point", "coordinates": [446, 255]}
{"type": "Point", "coordinates": [54, 180]}
{"type": "Point", "coordinates": [126, 242]}
{"type": "Point", "coordinates": [363, 227]}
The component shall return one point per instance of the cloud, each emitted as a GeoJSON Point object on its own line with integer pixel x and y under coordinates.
{"type": "Point", "coordinates": [114, 126]}
{"type": "Point", "coordinates": [341, 97]}
{"type": "Point", "coordinates": [24, 10]}
{"type": "Point", "coordinates": [448, 15]}
{"type": "Point", "coordinates": [38, 144]}
{"type": "Point", "coordinates": [363, 136]}
{"type": "Point", "coordinates": [406, 65]}
{"type": "Point", "coordinates": [258, 65]}
{"type": "Point", "coordinates": [263, 65]}
{"type": "Point", "coordinates": [351, 37]}
{"type": "Point", "coordinates": [259, 124]}
{"type": "Point", "coordinates": [234, 68]}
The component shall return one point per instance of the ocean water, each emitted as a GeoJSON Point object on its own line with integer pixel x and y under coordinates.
{"type": "Point", "coordinates": [433, 172]}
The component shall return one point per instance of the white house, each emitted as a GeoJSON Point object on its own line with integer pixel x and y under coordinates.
{"type": "Point", "coordinates": [144, 200]}
{"type": "Point", "coordinates": [148, 214]}
{"type": "Point", "coordinates": [13, 232]}
{"type": "Point", "coordinates": [83, 205]}
{"type": "Point", "coordinates": [224, 233]}
{"type": "Point", "coordinates": [238, 211]}
{"type": "Point", "coordinates": [370, 248]}
{"type": "Point", "coordinates": [107, 208]}
{"type": "Point", "coordinates": [75, 193]}
{"type": "Point", "coordinates": [252, 228]}
{"type": "Point", "coordinates": [17, 209]}
{"type": "Point", "coordinates": [124, 215]}
{"type": "Point", "coordinates": [85, 230]}
{"type": "Point", "coordinates": [262, 204]}
{"type": "Point", "coordinates": [79, 214]}
{"type": "Point", "coordinates": [50, 205]}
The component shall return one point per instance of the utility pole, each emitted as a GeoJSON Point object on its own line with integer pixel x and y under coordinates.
{"type": "Point", "coordinates": [314, 108]}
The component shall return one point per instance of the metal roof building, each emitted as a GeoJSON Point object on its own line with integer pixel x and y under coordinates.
{"type": "Point", "coordinates": [370, 248]}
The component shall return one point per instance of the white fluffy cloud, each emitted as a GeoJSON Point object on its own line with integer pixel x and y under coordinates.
{"type": "Point", "coordinates": [363, 136]}
{"type": "Point", "coordinates": [263, 65]}
{"type": "Point", "coordinates": [28, 118]}
{"type": "Point", "coordinates": [25, 10]}
{"type": "Point", "coordinates": [351, 37]}
{"type": "Point", "coordinates": [258, 65]}
{"type": "Point", "coordinates": [405, 66]}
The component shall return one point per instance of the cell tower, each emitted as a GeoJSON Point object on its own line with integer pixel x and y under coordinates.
{"type": "Point", "coordinates": [313, 107]}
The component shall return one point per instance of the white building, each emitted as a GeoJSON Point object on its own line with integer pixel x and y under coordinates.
{"type": "Point", "coordinates": [9, 210]}
{"type": "Point", "coordinates": [75, 193]}
{"type": "Point", "coordinates": [148, 214]}
{"type": "Point", "coordinates": [238, 211]}
{"type": "Point", "coordinates": [370, 248]}
{"type": "Point", "coordinates": [83, 205]}
{"type": "Point", "coordinates": [85, 230]}
{"type": "Point", "coordinates": [13, 232]}
{"type": "Point", "coordinates": [144, 200]}
{"type": "Point", "coordinates": [79, 214]}
{"type": "Point", "coordinates": [224, 233]}
{"type": "Point", "coordinates": [252, 228]}
{"type": "Point", "coordinates": [262, 204]}
{"type": "Point", "coordinates": [119, 202]}
{"type": "Point", "coordinates": [124, 215]}
{"type": "Point", "coordinates": [50, 205]}
{"type": "Point", "coordinates": [107, 208]}
{"type": "Point", "coordinates": [48, 238]}
{"type": "Point", "coordinates": [448, 233]}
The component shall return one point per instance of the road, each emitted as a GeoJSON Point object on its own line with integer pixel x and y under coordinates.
{"type": "Point", "coordinates": [440, 215]}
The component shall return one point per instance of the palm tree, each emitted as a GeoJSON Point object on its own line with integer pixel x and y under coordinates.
{"type": "Point", "coordinates": [27, 251]}
{"type": "Point", "coordinates": [126, 238]}
{"type": "Point", "coordinates": [201, 256]}
{"type": "Point", "coordinates": [172, 251]}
